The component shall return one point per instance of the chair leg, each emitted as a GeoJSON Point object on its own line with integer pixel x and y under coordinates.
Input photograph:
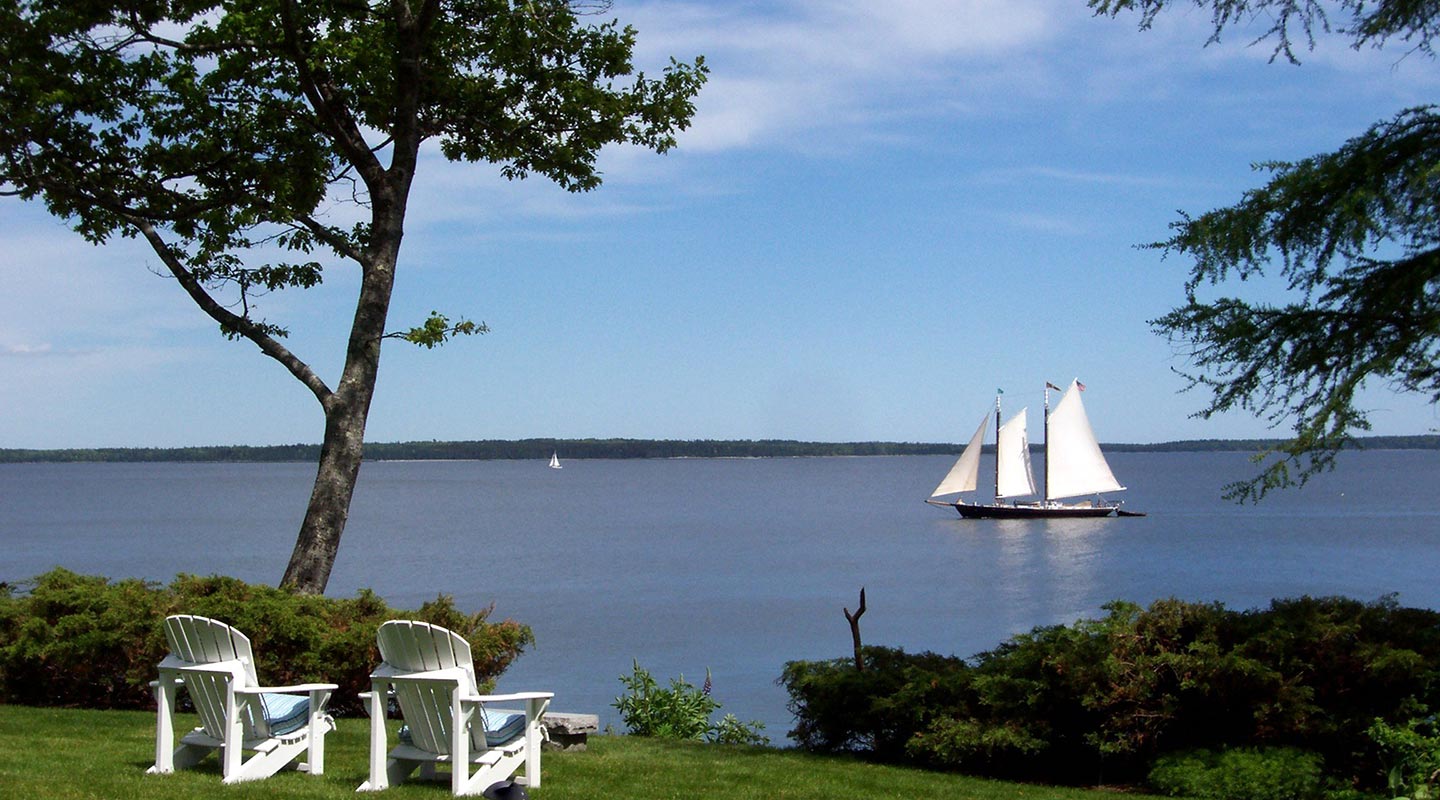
{"type": "Point", "coordinates": [232, 752]}
{"type": "Point", "coordinates": [459, 747]}
{"type": "Point", "coordinates": [534, 709]}
{"type": "Point", "coordinates": [316, 729]}
{"type": "Point", "coordinates": [379, 770]}
{"type": "Point", "coordinates": [164, 725]}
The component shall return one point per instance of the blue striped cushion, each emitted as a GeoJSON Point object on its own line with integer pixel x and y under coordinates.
{"type": "Point", "coordinates": [502, 726]}
{"type": "Point", "coordinates": [286, 713]}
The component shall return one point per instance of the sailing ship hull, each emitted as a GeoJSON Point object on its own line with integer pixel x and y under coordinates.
{"type": "Point", "coordinates": [1031, 510]}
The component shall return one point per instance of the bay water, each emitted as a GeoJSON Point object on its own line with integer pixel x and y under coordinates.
{"type": "Point", "coordinates": [740, 565]}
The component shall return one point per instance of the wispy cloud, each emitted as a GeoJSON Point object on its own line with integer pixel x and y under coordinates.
{"type": "Point", "coordinates": [812, 67]}
{"type": "Point", "coordinates": [1029, 175]}
{"type": "Point", "coordinates": [25, 350]}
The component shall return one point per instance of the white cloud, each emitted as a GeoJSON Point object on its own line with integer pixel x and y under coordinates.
{"type": "Point", "coordinates": [836, 64]}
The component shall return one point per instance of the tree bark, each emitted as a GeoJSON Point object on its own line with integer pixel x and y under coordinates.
{"type": "Point", "coordinates": [319, 539]}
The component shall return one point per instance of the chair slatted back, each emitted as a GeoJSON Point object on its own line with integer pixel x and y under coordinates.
{"type": "Point", "coordinates": [412, 646]}
{"type": "Point", "coordinates": [201, 640]}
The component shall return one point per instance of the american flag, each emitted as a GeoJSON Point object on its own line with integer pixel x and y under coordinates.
{"type": "Point", "coordinates": [1080, 386]}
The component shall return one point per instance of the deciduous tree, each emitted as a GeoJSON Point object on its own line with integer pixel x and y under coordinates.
{"type": "Point", "coordinates": [1354, 233]}
{"type": "Point", "coordinates": [231, 137]}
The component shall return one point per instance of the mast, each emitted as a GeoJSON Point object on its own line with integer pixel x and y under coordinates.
{"type": "Point", "coordinates": [1045, 490]}
{"type": "Point", "coordinates": [997, 446]}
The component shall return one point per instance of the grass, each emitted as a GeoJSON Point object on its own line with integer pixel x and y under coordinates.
{"type": "Point", "coordinates": [66, 754]}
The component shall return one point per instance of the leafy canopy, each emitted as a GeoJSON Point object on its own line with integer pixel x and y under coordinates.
{"type": "Point", "coordinates": [1355, 234]}
{"type": "Point", "coordinates": [274, 125]}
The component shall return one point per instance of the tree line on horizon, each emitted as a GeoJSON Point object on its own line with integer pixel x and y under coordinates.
{"type": "Point", "coordinates": [521, 449]}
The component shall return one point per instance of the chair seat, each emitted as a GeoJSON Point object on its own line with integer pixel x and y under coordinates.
{"type": "Point", "coordinates": [287, 713]}
{"type": "Point", "coordinates": [503, 726]}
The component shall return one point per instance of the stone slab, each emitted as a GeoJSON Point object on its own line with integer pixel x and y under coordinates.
{"type": "Point", "coordinates": [569, 731]}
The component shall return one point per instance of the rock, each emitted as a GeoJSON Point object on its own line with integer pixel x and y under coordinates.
{"type": "Point", "coordinates": [569, 731]}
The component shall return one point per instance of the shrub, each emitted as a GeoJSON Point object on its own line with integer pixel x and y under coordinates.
{"type": "Point", "coordinates": [730, 730]}
{"type": "Point", "coordinates": [1248, 774]}
{"type": "Point", "coordinates": [877, 710]}
{"type": "Point", "coordinates": [83, 641]}
{"type": "Point", "coordinates": [679, 712]}
{"type": "Point", "coordinates": [1110, 695]}
{"type": "Point", "coordinates": [1411, 755]}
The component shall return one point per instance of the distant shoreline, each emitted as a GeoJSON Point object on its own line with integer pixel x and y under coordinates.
{"type": "Point", "coordinates": [518, 449]}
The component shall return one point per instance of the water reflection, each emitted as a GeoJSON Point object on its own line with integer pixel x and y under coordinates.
{"type": "Point", "coordinates": [1046, 571]}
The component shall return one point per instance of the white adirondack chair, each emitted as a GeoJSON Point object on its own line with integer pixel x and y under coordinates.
{"type": "Point", "coordinates": [432, 676]}
{"type": "Point", "coordinates": [215, 664]}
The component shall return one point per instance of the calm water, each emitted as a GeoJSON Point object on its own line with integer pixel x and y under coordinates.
{"type": "Point", "coordinates": [739, 565]}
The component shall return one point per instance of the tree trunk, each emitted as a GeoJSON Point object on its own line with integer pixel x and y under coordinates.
{"type": "Point", "coordinates": [348, 408]}
{"type": "Point", "coordinates": [319, 539]}
{"type": "Point", "coordinates": [346, 412]}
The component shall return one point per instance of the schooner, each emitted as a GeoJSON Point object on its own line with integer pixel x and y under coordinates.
{"type": "Point", "coordinates": [1074, 466]}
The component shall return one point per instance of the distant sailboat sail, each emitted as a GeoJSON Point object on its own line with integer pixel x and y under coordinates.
{"type": "Point", "coordinates": [555, 461]}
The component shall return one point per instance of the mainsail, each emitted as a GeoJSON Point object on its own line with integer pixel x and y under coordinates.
{"type": "Point", "coordinates": [1012, 449]}
{"type": "Point", "coordinates": [961, 477]}
{"type": "Point", "coordinates": [1075, 465]}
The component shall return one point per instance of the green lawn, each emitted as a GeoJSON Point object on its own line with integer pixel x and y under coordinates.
{"type": "Point", "coordinates": [62, 754]}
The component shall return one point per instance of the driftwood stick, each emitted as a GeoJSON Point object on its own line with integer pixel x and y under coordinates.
{"type": "Point", "coordinates": [854, 620]}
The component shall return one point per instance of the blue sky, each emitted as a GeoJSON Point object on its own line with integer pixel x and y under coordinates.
{"type": "Point", "coordinates": [883, 212]}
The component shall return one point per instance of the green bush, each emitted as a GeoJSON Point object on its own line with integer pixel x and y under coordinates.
{"type": "Point", "coordinates": [1411, 756]}
{"type": "Point", "coordinates": [84, 641]}
{"type": "Point", "coordinates": [1248, 774]}
{"type": "Point", "coordinates": [679, 712]}
{"type": "Point", "coordinates": [877, 710]}
{"type": "Point", "coordinates": [1108, 696]}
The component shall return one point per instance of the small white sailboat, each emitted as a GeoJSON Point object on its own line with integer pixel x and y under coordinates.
{"type": "Point", "coordinates": [1074, 466]}
{"type": "Point", "coordinates": [555, 461]}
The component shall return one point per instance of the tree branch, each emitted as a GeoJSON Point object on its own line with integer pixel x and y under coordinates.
{"type": "Point", "coordinates": [243, 325]}
{"type": "Point", "coordinates": [336, 119]}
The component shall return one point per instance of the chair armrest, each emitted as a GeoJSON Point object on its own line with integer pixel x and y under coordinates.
{"type": "Point", "coordinates": [505, 698]}
{"type": "Point", "coordinates": [299, 687]}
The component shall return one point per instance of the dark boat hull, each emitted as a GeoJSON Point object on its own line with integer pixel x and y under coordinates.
{"type": "Point", "coordinates": [1031, 511]}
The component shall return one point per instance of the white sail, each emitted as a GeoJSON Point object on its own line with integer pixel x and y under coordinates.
{"type": "Point", "coordinates": [554, 461]}
{"type": "Point", "coordinates": [1075, 465]}
{"type": "Point", "coordinates": [961, 477]}
{"type": "Point", "coordinates": [1012, 451]}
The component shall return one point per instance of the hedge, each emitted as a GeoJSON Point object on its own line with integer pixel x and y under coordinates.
{"type": "Point", "coordinates": [84, 641]}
